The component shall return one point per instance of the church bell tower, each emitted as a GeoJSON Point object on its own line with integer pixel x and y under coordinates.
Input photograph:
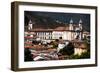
{"type": "Point", "coordinates": [71, 25]}
{"type": "Point", "coordinates": [71, 35]}
{"type": "Point", "coordinates": [81, 29]}
{"type": "Point", "coordinates": [30, 25]}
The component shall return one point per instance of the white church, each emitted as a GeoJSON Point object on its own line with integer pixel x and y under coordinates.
{"type": "Point", "coordinates": [68, 32]}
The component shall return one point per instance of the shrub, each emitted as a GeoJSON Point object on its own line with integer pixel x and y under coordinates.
{"type": "Point", "coordinates": [27, 55]}
{"type": "Point", "coordinates": [82, 56]}
{"type": "Point", "coordinates": [68, 50]}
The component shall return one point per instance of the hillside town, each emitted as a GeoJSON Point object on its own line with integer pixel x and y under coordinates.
{"type": "Point", "coordinates": [63, 42]}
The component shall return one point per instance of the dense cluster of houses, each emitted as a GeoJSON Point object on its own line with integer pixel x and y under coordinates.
{"type": "Point", "coordinates": [38, 40]}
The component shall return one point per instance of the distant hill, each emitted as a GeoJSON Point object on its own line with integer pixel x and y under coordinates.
{"type": "Point", "coordinates": [42, 22]}
{"type": "Point", "coordinates": [47, 21]}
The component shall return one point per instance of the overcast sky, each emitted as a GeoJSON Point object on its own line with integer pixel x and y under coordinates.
{"type": "Point", "coordinates": [64, 17]}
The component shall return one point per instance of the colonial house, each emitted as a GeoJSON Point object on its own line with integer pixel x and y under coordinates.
{"type": "Point", "coordinates": [86, 34]}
